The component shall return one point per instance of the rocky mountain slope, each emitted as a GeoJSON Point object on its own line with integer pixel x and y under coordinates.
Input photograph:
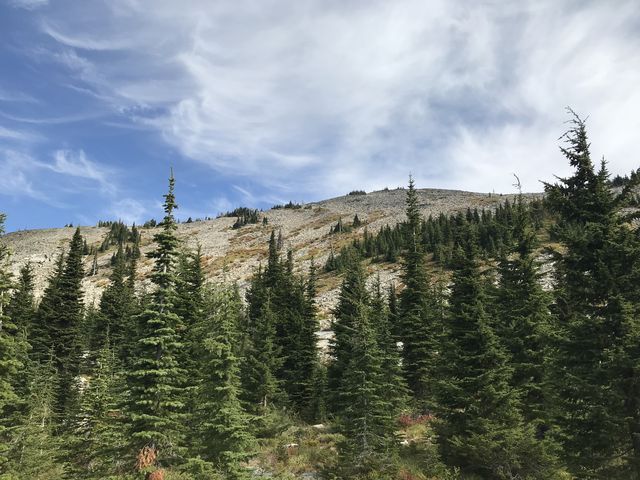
{"type": "Point", "coordinates": [234, 254]}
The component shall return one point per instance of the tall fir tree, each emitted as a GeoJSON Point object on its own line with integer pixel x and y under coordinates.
{"type": "Point", "coordinates": [156, 377]}
{"type": "Point", "coordinates": [392, 372]}
{"type": "Point", "coordinates": [365, 411]}
{"type": "Point", "coordinates": [223, 425]}
{"type": "Point", "coordinates": [353, 304]}
{"type": "Point", "coordinates": [116, 306]}
{"type": "Point", "coordinates": [595, 362]}
{"type": "Point", "coordinates": [523, 317]}
{"type": "Point", "coordinates": [480, 429]}
{"type": "Point", "coordinates": [97, 449]}
{"type": "Point", "coordinates": [36, 451]}
{"type": "Point", "coordinates": [417, 310]}
{"type": "Point", "coordinates": [22, 306]}
{"type": "Point", "coordinates": [40, 335]}
{"type": "Point", "coordinates": [10, 347]}
{"type": "Point", "coordinates": [64, 330]}
{"type": "Point", "coordinates": [263, 359]}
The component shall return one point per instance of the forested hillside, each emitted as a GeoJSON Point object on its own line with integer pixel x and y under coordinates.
{"type": "Point", "coordinates": [473, 360]}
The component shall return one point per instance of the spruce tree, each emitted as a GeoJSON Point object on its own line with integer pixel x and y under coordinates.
{"type": "Point", "coordinates": [418, 310]}
{"type": "Point", "coordinates": [263, 360]}
{"type": "Point", "coordinates": [156, 379]}
{"type": "Point", "coordinates": [101, 431]}
{"type": "Point", "coordinates": [353, 304]}
{"type": "Point", "coordinates": [40, 334]}
{"type": "Point", "coordinates": [223, 425]}
{"type": "Point", "coordinates": [9, 350]}
{"type": "Point", "coordinates": [22, 306]}
{"type": "Point", "coordinates": [524, 317]}
{"type": "Point", "coordinates": [480, 429]}
{"type": "Point", "coordinates": [365, 410]}
{"type": "Point", "coordinates": [36, 452]}
{"type": "Point", "coordinates": [65, 323]}
{"type": "Point", "coordinates": [392, 372]}
{"type": "Point", "coordinates": [595, 352]}
{"type": "Point", "coordinates": [116, 306]}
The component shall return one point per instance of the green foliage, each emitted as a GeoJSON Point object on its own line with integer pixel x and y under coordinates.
{"type": "Point", "coordinates": [491, 377]}
{"type": "Point", "coordinates": [36, 452]}
{"type": "Point", "coordinates": [10, 347]}
{"type": "Point", "coordinates": [223, 425]}
{"type": "Point", "coordinates": [22, 306]}
{"type": "Point", "coordinates": [57, 324]}
{"type": "Point", "coordinates": [100, 434]}
{"type": "Point", "coordinates": [117, 306]}
{"type": "Point", "coordinates": [155, 382]}
{"type": "Point", "coordinates": [595, 349]}
{"type": "Point", "coordinates": [364, 409]}
{"type": "Point", "coordinates": [244, 216]}
{"type": "Point", "coordinates": [480, 428]}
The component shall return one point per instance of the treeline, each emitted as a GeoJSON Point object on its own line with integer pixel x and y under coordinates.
{"type": "Point", "coordinates": [188, 380]}
{"type": "Point", "coordinates": [439, 236]}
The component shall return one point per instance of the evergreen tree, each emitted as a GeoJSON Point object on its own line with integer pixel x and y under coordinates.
{"type": "Point", "coordinates": [365, 410]}
{"type": "Point", "coordinates": [65, 323]}
{"type": "Point", "coordinates": [40, 334]}
{"type": "Point", "coordinates": [418, 310]}
{"type": "Point", "coordinates": [36, 452]}
{"type": "Point", "coordinates": [480, 429]}
{"type": "Point", "coordinates": [524, 317]}
{"type": "Point", "coordinates": [156, 379]}
{"type": "Point", "coordinates": [100, 433]}
{"type": "Point", "coordinates": [9, 350]}
{"type": "Point", "coordinates": [353, 304]}
{"type": "Point", "coordinates": [263, 359]}
{"type": "Point", "coordinates": [392, 373]}
{"type": "Point", "coordinates": [223, 424]}
{"type": "Point", "coordinates": [116, 306]}
{"type": "Point", "coordinates": [22, 306]}
{"type": "Point", "coordinates": [595, 362]}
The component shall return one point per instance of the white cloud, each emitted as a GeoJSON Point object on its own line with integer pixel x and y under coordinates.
{"type": "Point", "coordinates": [323, 97]}
{"type": "Point", "coordinates": [28, 4]}
{"type": "Point", "coordinates": [10, 134]}
{"type": "Point", "coordinates": [76, 164]}
{"type": "Point", "coordinates": [128, 210]}
{"type": "Point", "coordinates": [15, 181]}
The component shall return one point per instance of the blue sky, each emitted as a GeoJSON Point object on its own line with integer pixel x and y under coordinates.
{"type": "Point", "coordinates": [260, 102]}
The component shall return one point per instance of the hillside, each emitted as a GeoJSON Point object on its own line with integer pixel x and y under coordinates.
{"type": "Point", "coordinates": [234, 254]}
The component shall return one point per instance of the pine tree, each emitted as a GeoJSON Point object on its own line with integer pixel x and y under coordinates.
{"type": "Point", "coordinates": [480, 429]}
{"type": "Point", "coordinates": [64, 322]}
{"type": "Point", "coordinates": [155, 382]}
{"type": "Point", "coordinates": [418, 328]}
{"type": "Point", "coordinates": [392, 372]}
{"type": "Point", "coordinates": [22, 306]}
{"type": "Point", "coordinates": [524, 317]}
{"type": "Point", "coordinates": [10, 346]}
{"type": "Point", "coordinates": [365, 410]}
{"type": "Point", "coordinates": [223, 424]}
{"type": "Point", "coordinates": [116, 305]}
{"type": "Point", "coordinates": [595, 361]}
{"type": "Point", "coordinates": [100, 433]}
{"type": "Point", "coordinates": [36, 452]}
{"type": "Point", "coordinates": [40, 334]}
{"type": "Point", "coordinates": [188, 305]}
{"type": "Point", "coordinates": [353, 304]}
{"type": "Point", "coordinates": [263, 360]}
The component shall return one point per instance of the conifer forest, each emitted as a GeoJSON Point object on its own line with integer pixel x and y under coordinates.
{"type": "Point", "coordinates": [510, 349]}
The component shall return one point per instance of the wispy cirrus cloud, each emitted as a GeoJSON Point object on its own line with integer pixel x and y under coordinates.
{"type": "Point", "coordinates": [317, 98]}
{"type": "Point", "coordinates": [28, 4]}
{"type": "Point", "coordinates": [15, 180]}
{"type": "Point", "coordinates": [76, 164]}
